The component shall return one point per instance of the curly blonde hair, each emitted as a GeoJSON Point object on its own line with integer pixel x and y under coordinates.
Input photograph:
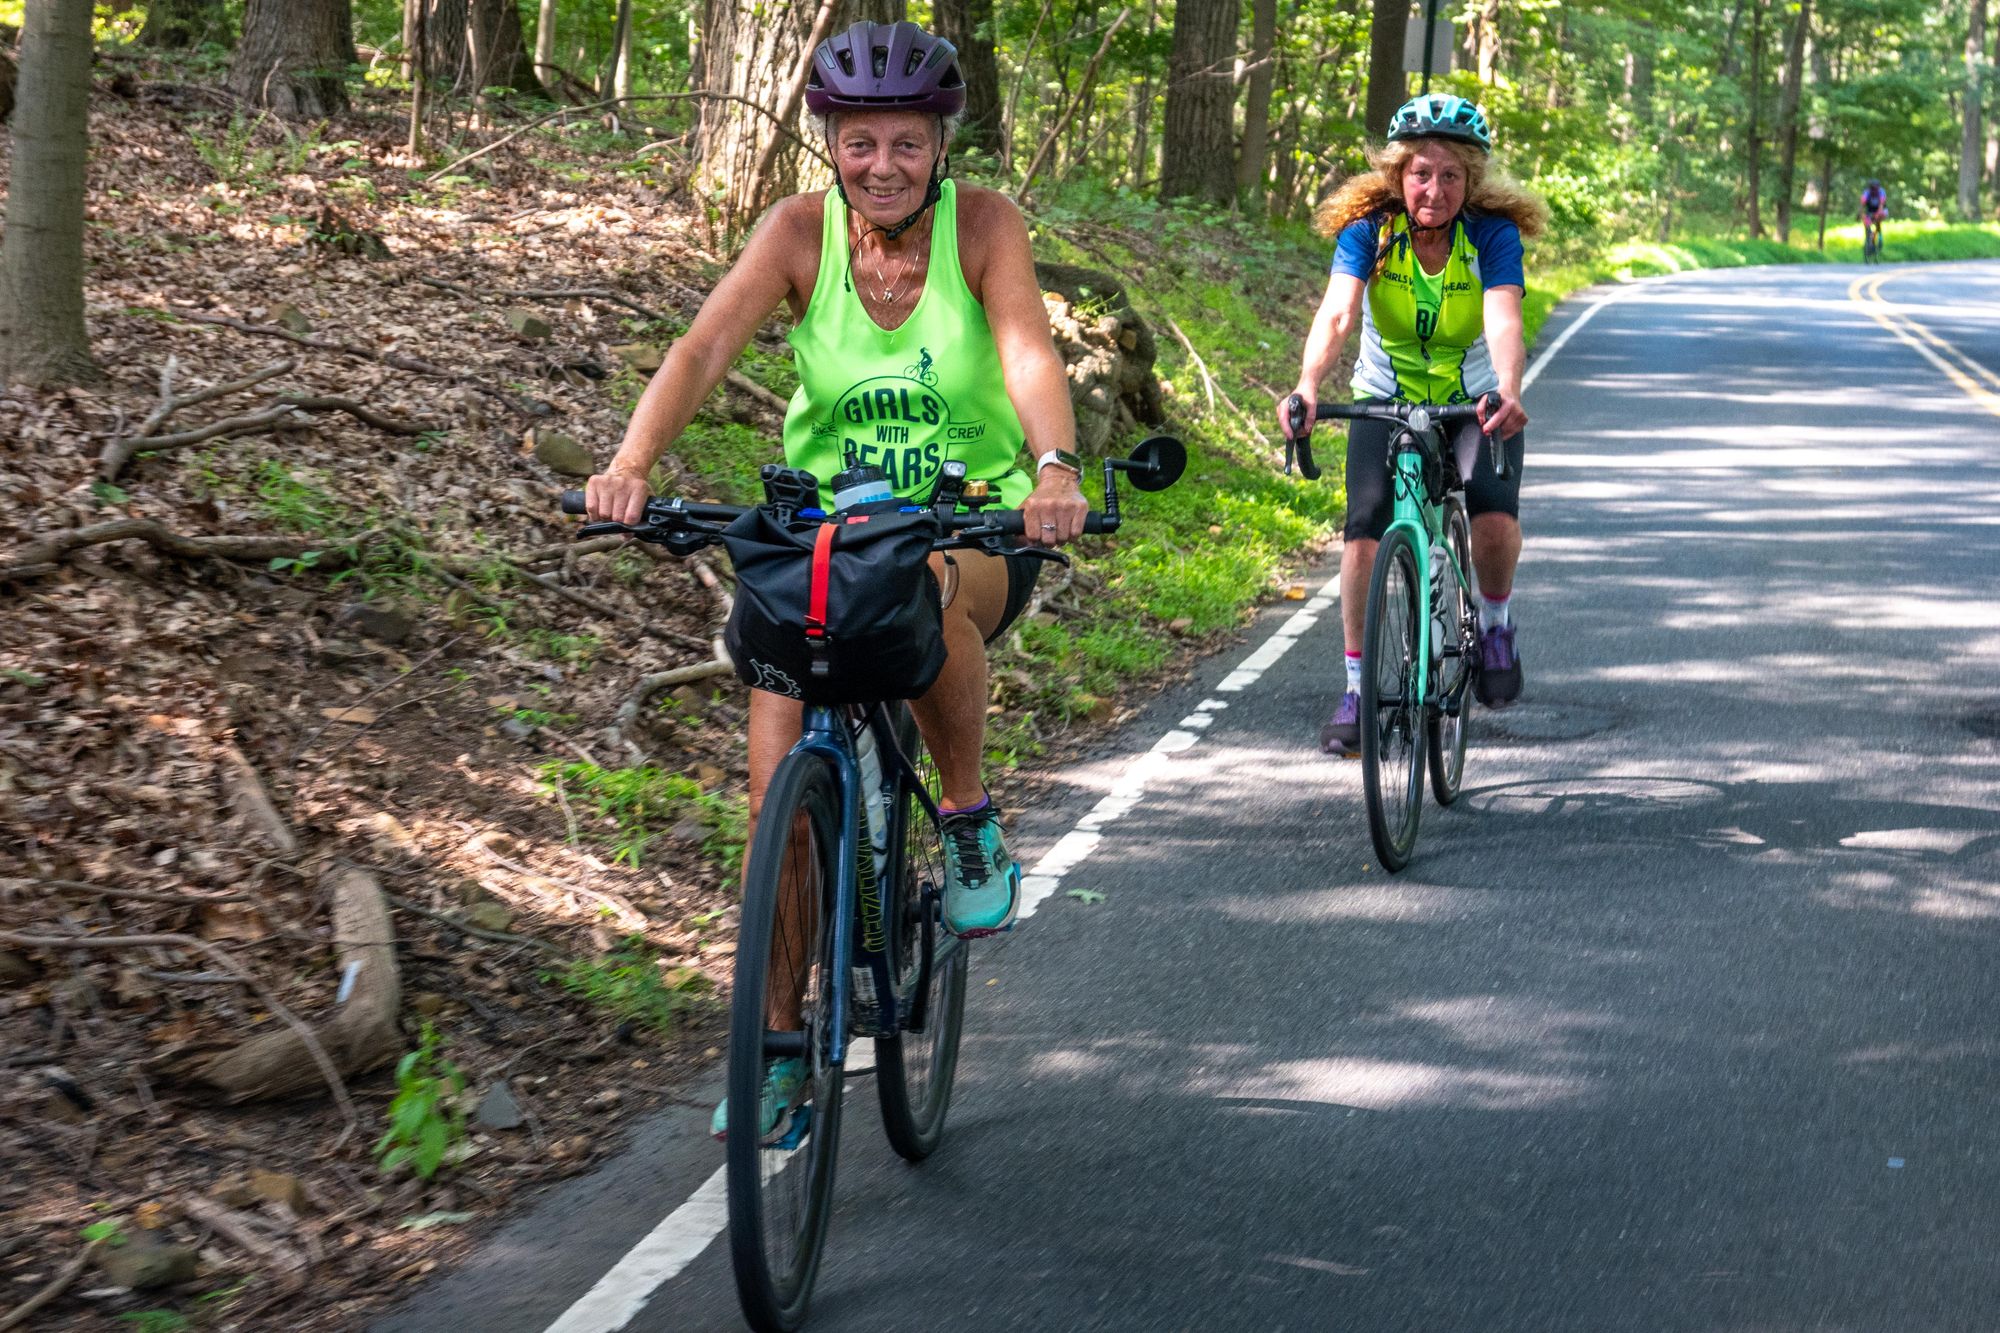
{"type": "Point", "coordinates": [1487, 188]}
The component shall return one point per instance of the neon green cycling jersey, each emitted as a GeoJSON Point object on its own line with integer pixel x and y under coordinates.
{"type": "Point", "coordinates": [904, 399]}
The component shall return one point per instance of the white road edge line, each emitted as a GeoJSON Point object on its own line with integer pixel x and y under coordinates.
{"type": "Point", "coordinates": [685, 1232]}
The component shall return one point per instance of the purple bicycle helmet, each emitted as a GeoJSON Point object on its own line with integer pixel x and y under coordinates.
{"type": "Point", "coordinates": [885, 67]}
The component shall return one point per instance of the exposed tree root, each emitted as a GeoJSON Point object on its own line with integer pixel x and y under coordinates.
{"type": "Point", "coordinates": [57, 1285]}
{"type": "Point", "coordinates": [45, 554]}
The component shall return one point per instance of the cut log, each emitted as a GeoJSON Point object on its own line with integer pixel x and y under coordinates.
{"type": "Point", "coordinates": [362, 1032]}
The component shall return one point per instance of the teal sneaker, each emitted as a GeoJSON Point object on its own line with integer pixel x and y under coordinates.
{"type": "Point", "coordinates": [782, 1081]}
{"type": "Point", "coordinates": [982, 885]}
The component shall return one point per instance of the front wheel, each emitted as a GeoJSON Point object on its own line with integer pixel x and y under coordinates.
{"type": "Point", "coordinates": [1455, 627]}
{"type": "Point", "coordinates": [914, 1068]}
{"type": "Point", "coordinates": [781, 1179]}
{"type": "Point", "coordinates": [1392, 746]}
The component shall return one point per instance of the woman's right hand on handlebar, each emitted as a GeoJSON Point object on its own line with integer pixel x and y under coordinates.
{"type": "Point", "coordinates": [616, 497]}
{"type": "Point", "coordinates": [1310, 395]}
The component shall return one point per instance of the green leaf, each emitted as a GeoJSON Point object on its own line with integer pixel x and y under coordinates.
{"type": "Point", "coordinates": [1086, 896]}
{"type": "Point", "coordinates": [111, 1229]}
{"type": "Point", "coordinates": [106, 493]}
{"type": "Point", "coordinates": [430, 1147]}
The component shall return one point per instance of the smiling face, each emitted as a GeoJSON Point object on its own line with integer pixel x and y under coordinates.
{"type": "Point", "coordinates": [1434, 184]}
{"type": "Point", "coordinates": [884, 159]}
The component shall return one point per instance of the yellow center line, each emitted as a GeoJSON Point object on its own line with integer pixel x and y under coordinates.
{"type": "Point", "coordinates": [1866, 292]}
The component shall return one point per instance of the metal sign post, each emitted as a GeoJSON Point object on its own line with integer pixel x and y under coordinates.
{"type": "Point", "coordinates": [1427, 45]}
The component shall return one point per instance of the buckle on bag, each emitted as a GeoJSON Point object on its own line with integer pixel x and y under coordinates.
{"type": "Point", "coordinates": [822, 577]}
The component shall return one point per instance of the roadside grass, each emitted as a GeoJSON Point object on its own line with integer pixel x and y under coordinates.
{"type": "Point", "coordinates": [635, 805]}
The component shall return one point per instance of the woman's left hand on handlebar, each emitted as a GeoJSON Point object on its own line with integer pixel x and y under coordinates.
{"type": "Point", "coordinates": [616, 497]}
{"type": "Point", "coordinates": [1506, 421]}
{"type": "Point", "coordinates": [1054, 513]}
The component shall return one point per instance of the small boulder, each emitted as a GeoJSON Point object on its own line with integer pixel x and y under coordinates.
{"type": "Point", "coordinates": [489, 915]}
{"type": "Point", "coordinates": [143, 1262]}
{"type": "Point", "coordinates": [527, 325]}
{"type": "Point", "coordinates": [563, 454]}
{"type": "Point", "coordinates": [498, 1109]}
{"type": "Point", "coordinates": [382, 621]}
{"type": "Point", "coordinates": [642, 357]}
{"type": "Point", "coordinates": [289, 317]}
{"type": "Point", "coordinates": [279, 1187]}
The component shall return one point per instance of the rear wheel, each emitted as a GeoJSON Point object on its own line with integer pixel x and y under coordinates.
{"type": "Point", "coordinates": [1454, 613]}
{"type": "Point", "coordinates": [1392, 746]}
{"type": "Point", "coordinates": [781, 1182]}
{"type": "Point", "coordinates": [914, 1068]}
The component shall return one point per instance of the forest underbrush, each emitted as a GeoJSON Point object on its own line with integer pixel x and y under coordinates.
{"type": "Point", "coordinates": [367, 846]}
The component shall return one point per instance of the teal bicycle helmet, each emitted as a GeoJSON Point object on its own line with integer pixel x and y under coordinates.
{"type": "Point", "coordinates": [1441, 116]}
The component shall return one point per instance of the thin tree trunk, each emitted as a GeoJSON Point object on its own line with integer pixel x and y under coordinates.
{"type": "Point", "coordinates": [1489, 53]}
{"type": "Point", "coordinates": [1825, 193]}
{"type": "Point", "coordinates": [419, 73]}
{"type": "Point", "coordinates": [1255, 165]}
{"type": "Point", "coordinates": [1788, 116]}
{"type": "Point", "coordinates": [1195, 160]}
{"type": "Point", "coordinates": [1388, 86]}
{"type": "Point", "coordinates": [545, 50]}
{"type": "Point", "coordinates": [179, 24]}
{"type": "Point", "coordinates": [42, 336]}
{"type": "Point", "coordinates": [968, 25]}
{"type": "Point", "coordinates": [1970, 144]}
{"type": "Point", "coordinates": [472, 45]}
{"type": "Point", "coordinates": [621, 55]}
{"type": "Point", "coordinates": [293, 56]}
{"type": "Point", "coordinates": [1756, 144]}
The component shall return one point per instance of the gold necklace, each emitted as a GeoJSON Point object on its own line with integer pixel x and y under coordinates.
{"type": "Point", "coordinates": [888, 287]}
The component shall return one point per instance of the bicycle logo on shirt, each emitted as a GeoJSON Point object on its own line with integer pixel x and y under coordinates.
{"type": "Point", "coordinates": [921, 372]}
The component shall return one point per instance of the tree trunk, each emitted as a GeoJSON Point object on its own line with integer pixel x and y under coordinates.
{"type": "Point", "coordinates": [1825, 193]}
{"type": "Point", "coordinates": [1969, 163]}
{"type": "Point", "coordinates": [1388, 86]}
{"type": "Point", "coordinates": [6, 87]}
{"type": "Point", "coordinates": [545, 50]}
{"type": "Point", "coordinates": [183, 23]}
{"type": "Point", "coordinates": [1788, 117]}
{"type": "Point", "coordinates": [42, 336]}
{"type": "Point", "coordinates": [1489, 54]}
{"type": "Point", "coordinates": [1756, 144]}
{"type": "Point", "coordinates": [757, 50]}
{"type": "Point", "coordinates": [471, 45]}
{"type": "Point", "coordinates": [968, 25]}
{"type": "Point", "coordinates": [1255, 164]}
{"type": "Point", "coordinates": [293, 57]}
{"type": "Point", "coordinates": [1196, 160]}
{"type": "Point", "coordinates": [620, 81]}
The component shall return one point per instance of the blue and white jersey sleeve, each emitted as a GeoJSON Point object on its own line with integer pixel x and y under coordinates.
{"type": "Point", "coordinates": [1497, 243]}
{"type": "Point", "coordinates": [1354, 249]}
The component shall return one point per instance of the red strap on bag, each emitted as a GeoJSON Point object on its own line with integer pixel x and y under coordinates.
{"type": "Point", "coordinates": [822, 575]}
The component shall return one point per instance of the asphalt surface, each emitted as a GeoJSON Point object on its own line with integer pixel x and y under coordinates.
{"type": "Point", "coordinates": [1682, 1019]}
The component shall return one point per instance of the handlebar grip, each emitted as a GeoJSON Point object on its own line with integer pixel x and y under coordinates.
{"type": "Point", "coordinates": [1011, 521]}
{"type": "Point", "coordinates": [572, 503]}
{"type": "Point", "coordinates": [1307, 467]}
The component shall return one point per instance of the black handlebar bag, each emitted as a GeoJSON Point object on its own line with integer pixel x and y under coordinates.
{"type": "Point", "coordinates": [839, 612]}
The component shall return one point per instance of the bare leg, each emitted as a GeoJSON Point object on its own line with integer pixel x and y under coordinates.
{"type": "Point", "coordinates": [952, 714]}
{"type": "Point", "coordinates": [1357, 562]}
{"type": "Point", "coordinates": [1496, 549]}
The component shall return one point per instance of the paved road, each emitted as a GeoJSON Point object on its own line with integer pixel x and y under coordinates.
{"type": "Point", "coordinates": [1683, 1019]}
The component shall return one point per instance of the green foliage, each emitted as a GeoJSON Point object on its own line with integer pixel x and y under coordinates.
{"type": "Point", "coordinates": [639, 802]}
{"type": "Point", "coordinates": [110, 1230]}
{"type": "Point", "coordinates": [233, 155]}
{"type": "Point", "coordinates": [727, 455]}
{"type": "Point", "coordinates": [425, 1120]}
{"type": "Point", "coordinates": [630, 983]}
{"type": "Point", "coordinates": [156, 1321]}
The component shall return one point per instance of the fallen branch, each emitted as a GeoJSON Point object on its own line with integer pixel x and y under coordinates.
{"type": "Point", "coordinates": [43, 555]}
{"type": "Point", "coordinates": [467, 928]}
{"type": "Point", "coordinates": [556, 294]}
{"type": "Point", "coordinates": [1207, 381]}
{"type": "Point", "coordinates": [170, 403]}
{"type": "Point", "coordinates": [758, 391]}
{"type": "Point", "coordinates": [457, 565]}
{"type": "Point", "coordinates": [394, 360]}
{"type": "Point", "coordinates": [327, 1069]}
{"type": "Point", "coordinates": [119, 453]}
{"type": "Point", "coordinates": [290, 1264]}
{"type": "Point", "coordinates": [57, 1285]}
{"type": "Point", "coordinates": [698, 95]}
{"type": "Point", "coordinates": [250, 799]}
{"type": "Point", "coordinates": [139, 895]}
{"type": "Point", "coordinates": [363, 1029]}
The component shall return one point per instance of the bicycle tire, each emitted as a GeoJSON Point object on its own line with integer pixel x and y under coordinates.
{"type": "Point", "coordinates": [1446, 732]}
{"type": "Point", "coordinates": [1392, 751]}
{"type": "Point", "coordinates": [915, 1067]}
{"type": "Point", "coordinates": [780, 1186]}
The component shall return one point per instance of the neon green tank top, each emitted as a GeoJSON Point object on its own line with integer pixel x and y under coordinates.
{"type": "Point", "coordinates": [906, 399]}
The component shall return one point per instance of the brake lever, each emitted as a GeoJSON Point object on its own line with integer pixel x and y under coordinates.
{"type": "Point", "coordinates": [1298, 440]}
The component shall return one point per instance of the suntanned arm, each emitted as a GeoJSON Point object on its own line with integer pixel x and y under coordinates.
{"type": "Point", "coordinates": [1001, 277]}
{"type": "Point", "coordinates": [1338, 311]}
{"type": "Point", "coordinates": [1505, 344]}
{"type": "Point", "coordinates": [762, 278]}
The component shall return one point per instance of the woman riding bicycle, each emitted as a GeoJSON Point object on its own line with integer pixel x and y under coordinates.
{"type": "Point", "coordinates": [1432, 238]}
{"type": "Point", "coordinates": [894, 266]}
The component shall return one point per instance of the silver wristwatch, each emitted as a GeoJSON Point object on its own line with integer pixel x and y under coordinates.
{"type": "Point", "coordinates": [1059, 458]}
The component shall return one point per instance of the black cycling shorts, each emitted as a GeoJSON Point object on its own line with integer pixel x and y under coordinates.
{"type": "Point", "coordinates": [1022, 571]}
{"type": "Point", "coordinates": [1371, 499]}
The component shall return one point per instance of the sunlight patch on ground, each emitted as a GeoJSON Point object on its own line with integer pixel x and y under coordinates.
{"type": "Point", "coordinates": [1950, 841]}
{"type": "Point", "coordinates": [1391, 1085]}
{"type": "Point", "coordinates": [1495, 1023]}
{"type": "Point", "coordinates": [1359, 903]}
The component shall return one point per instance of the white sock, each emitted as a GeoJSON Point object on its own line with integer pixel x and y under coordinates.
{"type": "Point", "coordinates": [1354, 673]}
{"type": "Point", "coordinates": [1493, 612]}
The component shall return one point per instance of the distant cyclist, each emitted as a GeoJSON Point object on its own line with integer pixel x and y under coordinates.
{"type": "Point", "coordinates": [1874, 208]}
{"type": "Point", "coordinates": [1428, 259]}
{"type": "Point", "coordinates": [894, 268]}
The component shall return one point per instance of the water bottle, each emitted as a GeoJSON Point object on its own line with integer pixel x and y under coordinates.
{"type": "Point", "coordinates": [875, 808]}
{"type": "Point", "coordinates": [861, 484]}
